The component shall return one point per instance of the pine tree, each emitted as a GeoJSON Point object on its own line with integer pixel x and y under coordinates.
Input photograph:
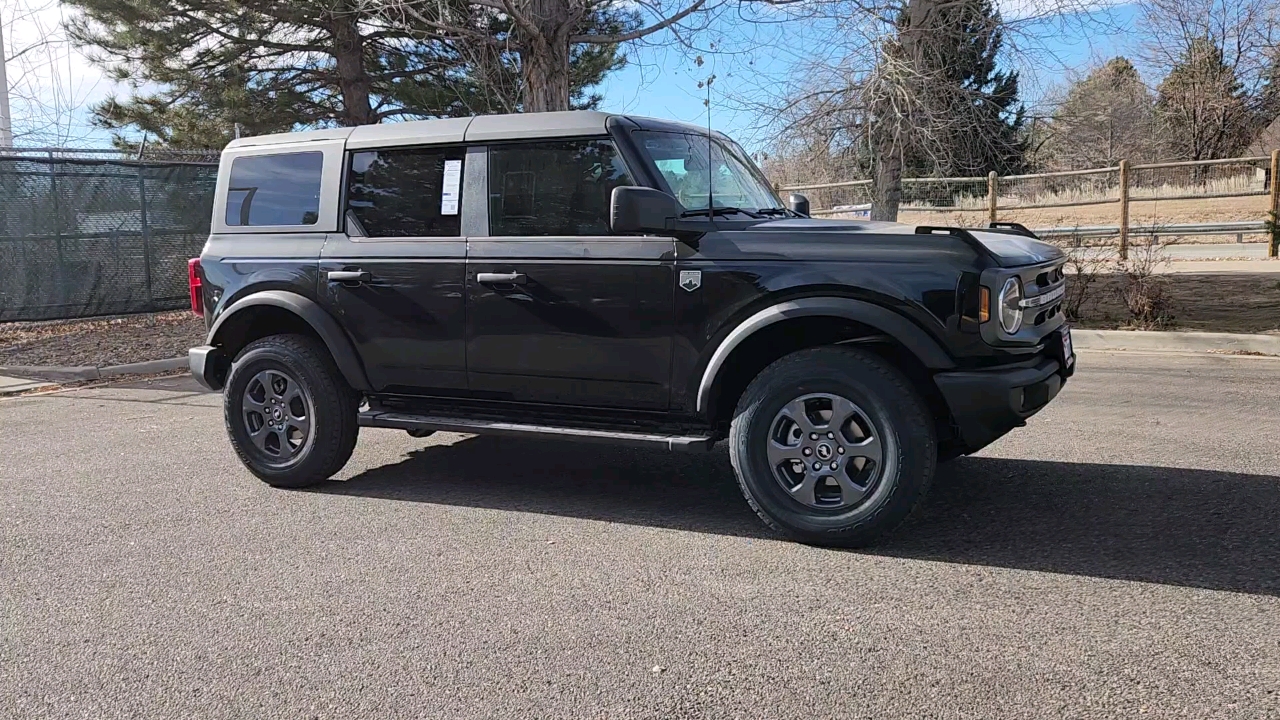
{"type": "Point", "coordinates": [961, 54]}
{"type": "Point", "coordinates": [1201, 105]}
{"type": "Point", "coordinates": [278, 65]}
{"type": "Point", "coordinates": [1104, 118]}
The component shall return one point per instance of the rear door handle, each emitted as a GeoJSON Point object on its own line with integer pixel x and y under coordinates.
{"type": "Point", "coordinates": [501, 278]}
{"type": "Point", "coordinates": [347, 276]}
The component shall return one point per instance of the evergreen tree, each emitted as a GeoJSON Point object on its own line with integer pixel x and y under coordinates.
{"type": "Point", "coordinates": [959, 59]}
{"type": "Point", "coordinates": [1266, 105]}
{"type": "Point", "coordinates": [1201, 105]}
{"type": "Point", "coordinates": [276, 65]}
{"type": "Point", "coordinates": [1104, 118]}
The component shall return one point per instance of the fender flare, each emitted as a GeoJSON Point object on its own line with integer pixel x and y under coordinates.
{"type": "Point", "coordinates": [900, 328]}
{"type": "Point", "coordinates": [330, 332]}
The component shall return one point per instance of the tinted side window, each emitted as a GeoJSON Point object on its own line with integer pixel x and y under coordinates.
{"type": "Point", "coordinates": [407, 193]}
{"type": "Point", "coordinates": [279, 189]}
{"type": "Point", "coordinates": [553, 188]}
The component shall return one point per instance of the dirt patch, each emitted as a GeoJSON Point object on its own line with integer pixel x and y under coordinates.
{"type": "Point", "coordinates": [1205, 302]}
{"type": "Point", "coordinates": [101, 342]}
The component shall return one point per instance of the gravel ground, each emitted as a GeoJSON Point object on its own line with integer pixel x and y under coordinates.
{"type": "Point", "coordinates": [101, 341]}
{"type": "Point", "coordinates": [1118, 557]}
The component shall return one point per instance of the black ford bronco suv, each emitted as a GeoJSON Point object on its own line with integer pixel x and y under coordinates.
{"type": "Point", "coordinates": [610, 278]}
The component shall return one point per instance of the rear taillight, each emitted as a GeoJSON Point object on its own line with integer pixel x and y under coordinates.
{"type": "Point", "coordinates": [196, 284]}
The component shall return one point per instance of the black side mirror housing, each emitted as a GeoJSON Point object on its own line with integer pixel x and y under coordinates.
{"type": "Point", "coordinates": [799, 204]}
{"type": "Point", "coordinates": [635, 210]}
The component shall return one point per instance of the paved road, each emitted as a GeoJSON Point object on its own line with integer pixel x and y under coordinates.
{"type": "Point", "coordinates": [1119, 556]}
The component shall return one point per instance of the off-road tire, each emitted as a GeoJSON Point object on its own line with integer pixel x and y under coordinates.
{"type": "Point", "coordinates": [888, 401]}
{"type": "Point", "coordinates": [333, 408]}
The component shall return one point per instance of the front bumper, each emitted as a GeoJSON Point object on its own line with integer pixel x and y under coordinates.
{"type": "Point", "coordinates": [986, 404]}
{"type": "Point", "coordinates": [208, 366]}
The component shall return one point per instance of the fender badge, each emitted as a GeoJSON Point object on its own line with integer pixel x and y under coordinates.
{"type": "Point", "coordinates": [690, 280]}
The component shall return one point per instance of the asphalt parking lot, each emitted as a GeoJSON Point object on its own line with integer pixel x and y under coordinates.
{"type": "Point", "coordinates": [1120, 556]}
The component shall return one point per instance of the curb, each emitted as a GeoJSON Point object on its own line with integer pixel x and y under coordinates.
{"type": "Point", "coordinates": [71, 374]}
{"type": "Point", "coordinates": [1167, 341]}
{"type": "Point", "coordinates": [145, 368]}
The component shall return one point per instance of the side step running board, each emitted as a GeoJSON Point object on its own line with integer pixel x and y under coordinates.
{"type": "Point", "coordinates": [403, 421]}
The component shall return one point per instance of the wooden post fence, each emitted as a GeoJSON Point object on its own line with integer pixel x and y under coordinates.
{"type": "Point", "coordinates": [992, 195]}
{"type": "Point", "coordinates": [975, 207]}
{"type": "Point", "coordinates": [1124, 209]}
{"type": "Point", "coordinates": [1275, 200]}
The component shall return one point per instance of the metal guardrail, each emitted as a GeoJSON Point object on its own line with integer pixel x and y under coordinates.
{"type": "Point", "coordinates": [1239, 229]}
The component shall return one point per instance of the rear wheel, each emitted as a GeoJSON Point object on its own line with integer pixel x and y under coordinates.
{"type": "Point", "coordinates": [833, 446]}
{"type": "Point", "coordinates": [290, 415]}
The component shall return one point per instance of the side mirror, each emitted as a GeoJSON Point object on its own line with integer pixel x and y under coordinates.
{"type": "Point", "coordinates": [642, 210]}
{"type": "Point", "coordinates": [799, 204]}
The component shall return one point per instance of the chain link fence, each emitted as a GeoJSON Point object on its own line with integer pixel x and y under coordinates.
{"type": "Point", "coordinates": [83, 235]}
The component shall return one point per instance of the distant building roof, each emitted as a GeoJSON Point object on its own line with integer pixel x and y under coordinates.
{"type": "Point", "coordinates": [1267, 140]}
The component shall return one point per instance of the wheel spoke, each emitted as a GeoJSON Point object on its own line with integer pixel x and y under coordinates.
{"type": "Point", "coordinates": [259, 438]}
{"type": "Point", "coordinates": [282, 442]}
{"type": "Point", "coordinates": [868, 447]}
{"type": "Point", "coordinates": [804, 492]}
{"type": "Point", "coordinates": [295, 393]}
{"type": "Point", "coordinates": [798, 413]}
{"type": "Point", "coordinates": [271, 386]}
{"type": "Point", "coordinates": [779, 454]}
{"type": "Point", "coordinates": [841, 411]}
{"type": "Point", "coordinates": [850, 492]}
{"type": "Point", "coordinates": [303, 425]}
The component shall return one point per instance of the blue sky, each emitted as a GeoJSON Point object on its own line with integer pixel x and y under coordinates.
{"type": "Point", "coordinates": [663, 80]}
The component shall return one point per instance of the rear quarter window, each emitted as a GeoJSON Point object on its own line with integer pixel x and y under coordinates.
{"type": "Point", "coordinates": [281, 189]}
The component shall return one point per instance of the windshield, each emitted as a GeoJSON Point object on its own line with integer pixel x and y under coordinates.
{"type": "Point", "coordinates": [684, 159]}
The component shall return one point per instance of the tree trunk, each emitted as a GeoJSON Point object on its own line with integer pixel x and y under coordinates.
{"type": "Point", "coordinates": [544, 27]}
{"type": "Point", "coordinates": [546, 78]}
{"type": "Point", "coordinates": [353, 79]}
{"type": "Point", "coordinates": [893, 131]}
{"type": "Point", "coordinates": [886, 185]}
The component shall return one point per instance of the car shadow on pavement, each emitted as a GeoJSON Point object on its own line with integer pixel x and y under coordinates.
{"type": "Point", "coordinates": [1195, 528]}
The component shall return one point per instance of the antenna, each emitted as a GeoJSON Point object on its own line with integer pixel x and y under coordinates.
{"type": "Point", "coordinates": [711, 204]}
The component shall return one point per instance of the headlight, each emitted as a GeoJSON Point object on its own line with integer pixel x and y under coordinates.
{"type": "Point", "coordinates": [1011, 305]}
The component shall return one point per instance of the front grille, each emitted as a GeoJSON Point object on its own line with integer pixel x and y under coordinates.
{"type": "Point", "coordinates": [1047, 315]}
{"type": "Point", "coordinates": [1050, 277]}
{"type": "Point", "coordinates": [1044, 289]}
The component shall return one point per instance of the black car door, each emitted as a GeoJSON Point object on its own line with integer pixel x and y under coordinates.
{"type": "Point", "coordinates": [560, 310]}
{"type": "Point", "coordinates": [395, 278]}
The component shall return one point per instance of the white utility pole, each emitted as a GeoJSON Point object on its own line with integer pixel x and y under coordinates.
{"type": "Point", "coordinates": [6, 120]}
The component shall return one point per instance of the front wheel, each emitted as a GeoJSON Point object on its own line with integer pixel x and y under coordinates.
{"type": "Point", "coordinates": [290, 415]}
{"type": "Point", "coordinates": [833, 446]}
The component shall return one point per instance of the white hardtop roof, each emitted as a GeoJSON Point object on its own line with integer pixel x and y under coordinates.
{"type": "Point", "coordinates": [453, 130]}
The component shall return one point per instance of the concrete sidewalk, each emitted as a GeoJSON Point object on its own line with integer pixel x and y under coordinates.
{"type": "Point", "coordinates": [1240, 267]}
{"type": "Point", "coordinates": [11, 385]}
{"type": "Point", "coordinates": [1172, 341]}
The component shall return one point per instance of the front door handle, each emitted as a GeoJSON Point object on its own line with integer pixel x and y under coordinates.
{"type": "Point", "coordinates": [501, 278]}
{"type": "Point", "coordinates": [347, 276]}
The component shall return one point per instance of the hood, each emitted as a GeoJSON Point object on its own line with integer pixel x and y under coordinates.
{"type": "Point", "coordinates": [1012, 250]}
{"type": "Point", "coordinates": [1008, 249]}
